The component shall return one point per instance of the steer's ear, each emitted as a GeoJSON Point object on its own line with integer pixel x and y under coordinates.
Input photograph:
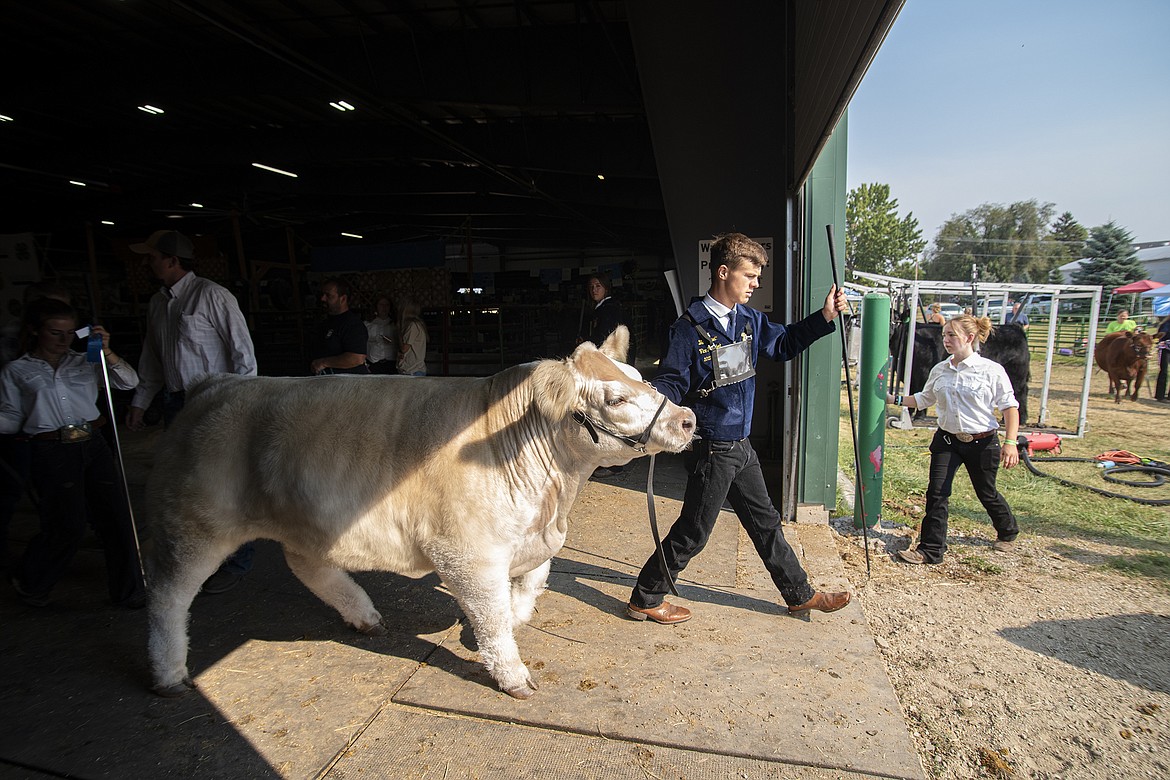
{"type": "Point", "coordinates": [554, 389]}
{"type": "Point", "coordinates": [617, 346]}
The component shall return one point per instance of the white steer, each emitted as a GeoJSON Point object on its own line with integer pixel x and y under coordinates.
{"type": "Point", "coordinates": [472, 478]}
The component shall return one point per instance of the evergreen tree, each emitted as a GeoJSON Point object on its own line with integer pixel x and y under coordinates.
{"type": "Point", "coordinates": [1110, 259]}
{"type": "Point", "coordinates": [1069, 236]}
{"type": "Point", "coordinates": [876, 239]}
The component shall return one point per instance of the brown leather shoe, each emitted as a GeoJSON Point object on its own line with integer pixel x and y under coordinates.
{"type": "Point", "coordinates": [824, 602]}
{"type": "Point", "coordinates": [665, 613]}
{"type": "Point", "coordinates": [911, 556]}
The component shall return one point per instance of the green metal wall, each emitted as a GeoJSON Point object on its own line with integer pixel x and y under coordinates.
{"type": "Point", "coordinates": [824, 204]}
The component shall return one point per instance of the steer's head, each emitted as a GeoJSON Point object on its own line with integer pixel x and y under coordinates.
{"type": "Point", "coordinates": [624, 415]}
{"type": "Point", "coordinates": [1142, 344]}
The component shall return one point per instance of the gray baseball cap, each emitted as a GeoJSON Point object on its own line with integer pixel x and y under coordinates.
{"type": "Point", "coordinates": [168, 243]}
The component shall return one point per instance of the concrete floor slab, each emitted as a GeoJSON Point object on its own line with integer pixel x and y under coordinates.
{"type": "Point", "coordinates": [286, 690]}
{"type": "Point", "coordinates": [410, 745]}
{"type": "Point", "coordinates": [741, 678]}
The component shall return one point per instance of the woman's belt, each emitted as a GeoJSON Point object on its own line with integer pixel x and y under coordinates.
{"type": "Point", "coordinates": [968, 437]}
{"type": "Point", "coordinates": [70, 434]}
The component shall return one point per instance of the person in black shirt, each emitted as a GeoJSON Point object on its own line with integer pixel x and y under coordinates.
{"type": "Point", "coordinates": [606, 315]}
{"type": "Point", "coordinates": [1162, 337]}
{"type": "Point", "coordinates": [343, 336]}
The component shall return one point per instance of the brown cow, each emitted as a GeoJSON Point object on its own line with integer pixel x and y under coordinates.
{"type": "Point", "coordinates": [1123, 356]}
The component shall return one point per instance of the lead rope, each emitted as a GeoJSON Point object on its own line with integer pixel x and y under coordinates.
{"type": "Point", "coordinates": [654, 527]}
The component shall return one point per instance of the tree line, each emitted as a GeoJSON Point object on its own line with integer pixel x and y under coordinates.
{"type": "Point", "coordinates": [1023, 242]}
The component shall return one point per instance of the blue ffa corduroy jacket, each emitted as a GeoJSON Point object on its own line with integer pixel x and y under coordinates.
{"type": "Point", "coordinates": [726, 414]}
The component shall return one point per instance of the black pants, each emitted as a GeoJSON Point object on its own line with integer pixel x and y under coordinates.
{"type": "Point", "coordinates": [14, 466]}
{"type": "Point", "coordinates": [981, 459]}
{"type": "Point", "coordinates": [718, 471]}
{"type": "Point", "coordinates": [78, 481]}
{"type": "Point", "coordinates": [1163, 368]}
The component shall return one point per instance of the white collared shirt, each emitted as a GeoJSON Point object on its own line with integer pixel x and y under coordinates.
{"type": "Point", "coordinates": [966, 397]}
{"type": "Point", "coordinates": [718, 311]}
{"type": "Point", "coordinates": [35, 398]}
{"type": "Point", "coordinates": [194, 328]}
{"type": "Point", "coordinates": [377, 347]}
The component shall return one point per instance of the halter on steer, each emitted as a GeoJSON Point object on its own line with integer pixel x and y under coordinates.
{"type": "Point", "coordinates": [638, 444]}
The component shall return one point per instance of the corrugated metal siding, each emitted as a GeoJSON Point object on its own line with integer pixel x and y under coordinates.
{"type": "Point", "coordinates": [834, 44]}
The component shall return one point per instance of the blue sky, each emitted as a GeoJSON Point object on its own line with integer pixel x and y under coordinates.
{"type": "Point", "coordinates": [971, 102]}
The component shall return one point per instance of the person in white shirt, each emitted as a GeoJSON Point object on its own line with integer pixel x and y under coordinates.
{"type": "Point", "coordinates": [48, 397]}
{"type": "Point", "coordinates": [382, 347]}
{"type": "Point", "coordinates": [967, 390]}
{"type": "Point", "coordinates": [194, 328]}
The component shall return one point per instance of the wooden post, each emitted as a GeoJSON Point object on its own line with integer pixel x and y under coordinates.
{"type": "Point", "coordinates": [245, 274]}
{"type": "Point", "coordinates": [294, 272]}
{"type": "Point", "coordinates": [95, 295]}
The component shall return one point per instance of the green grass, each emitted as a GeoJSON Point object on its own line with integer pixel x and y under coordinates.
{"type": "Point", "coordinates": [1043, 506]}
{"type": "Point", "coordinates": [981, 564]}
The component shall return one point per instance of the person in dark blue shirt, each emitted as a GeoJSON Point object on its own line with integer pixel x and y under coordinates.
{"type": "Point", "coordinates": [710, 364]}
{"type": "Point", "coordinates": [1017, 316]}
{"type": "Point", "coordinates": [1162, 338]}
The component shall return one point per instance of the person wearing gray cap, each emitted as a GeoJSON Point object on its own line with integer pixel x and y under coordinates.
{"type": "Point", "coordinates": [194, 327]}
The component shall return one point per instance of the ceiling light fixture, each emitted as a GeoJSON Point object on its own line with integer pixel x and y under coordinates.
{"type": "Point", "coordinates": [341, 105]}
{"type": "Point", "coordinates": [196, 205]}
{"type": "Point", "coordinates": [264, 167]}
{"type": "Point", "coordinates": [151, 109]}
{"type": "Point", "coordinates": [601, 177]}
{"type": "Point", "coordinates": [4, 118]}
{"type": "Point", "coordinates": [77, 183]}
{"type": "Point", "coordinates": [351, 235]}
{"type": "Point", "coordinates": [107, 222]}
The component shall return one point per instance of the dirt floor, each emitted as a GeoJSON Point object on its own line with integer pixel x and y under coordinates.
{"type": "Point", "coordinates": [1041, 664]}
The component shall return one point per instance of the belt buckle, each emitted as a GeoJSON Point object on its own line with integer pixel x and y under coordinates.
{"type": "Point", "coordinates": [75, 433]}
{"type": "Point", "coordinates": [964, 437]}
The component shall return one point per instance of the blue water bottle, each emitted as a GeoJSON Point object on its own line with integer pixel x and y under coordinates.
{"type": "Point", "coordinates": [93, 348]}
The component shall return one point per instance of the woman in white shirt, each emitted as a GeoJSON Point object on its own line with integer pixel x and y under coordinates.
{"type": "Point", "coordinates": [966, 389]}
{"type": "Point", "coordinates": [48, 397]}
{"type": "Point", "coordinates": [412, 347]}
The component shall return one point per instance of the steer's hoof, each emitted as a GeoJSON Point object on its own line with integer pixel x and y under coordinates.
{"type": "Point", "coordinates": [377, 629]}
{"type": "Point", "coordinates": [175, 691]}
{"type": "Point", "coordinates": [523, 692]}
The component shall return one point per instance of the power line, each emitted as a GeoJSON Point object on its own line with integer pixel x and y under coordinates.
{"type": "Point", "coordinates": [1009, 240]}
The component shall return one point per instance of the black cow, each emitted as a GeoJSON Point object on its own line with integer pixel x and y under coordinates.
{"type": "Point", "coordinates": [1007, 345]}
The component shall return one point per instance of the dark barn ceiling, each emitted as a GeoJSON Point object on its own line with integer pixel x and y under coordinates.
{"type": "Point", "coordinates": [487, 120]}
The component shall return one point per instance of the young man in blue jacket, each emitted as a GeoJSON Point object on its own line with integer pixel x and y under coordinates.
{"type": "Point", "coordinates": [710, 364]}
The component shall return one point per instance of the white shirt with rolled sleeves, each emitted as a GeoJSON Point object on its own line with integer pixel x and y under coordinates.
{"type": "Point", "coordinates": [383, 340]}
{"type": "Point", "coordinates": [35, 398]}
{"type": "Point", "coordinates": [966, 397]}
{"type": "Point", "coordinates": [194, 328]}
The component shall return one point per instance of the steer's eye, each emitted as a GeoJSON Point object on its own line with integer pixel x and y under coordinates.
{"type": "Point", "coordinates": [617, 400]}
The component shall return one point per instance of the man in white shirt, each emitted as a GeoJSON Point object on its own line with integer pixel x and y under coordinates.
{"type": "Point", "coordinates": [194, 328]}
